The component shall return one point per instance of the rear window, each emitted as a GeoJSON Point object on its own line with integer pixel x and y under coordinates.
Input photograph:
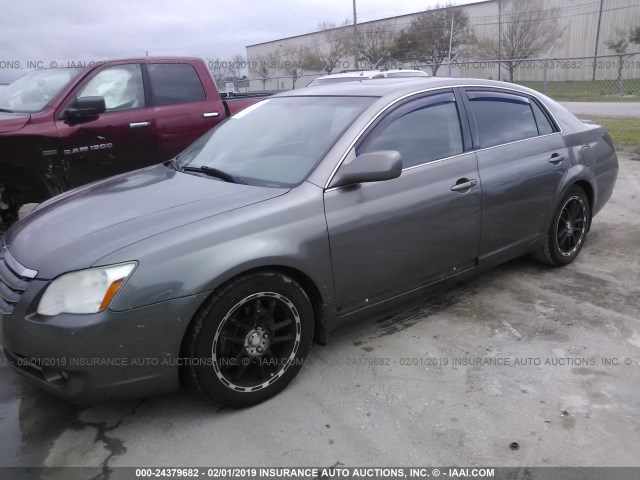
{"type": "Point", "coordinates": [174, 83]}
{"type": "Point", "coordinates": [502, 117]}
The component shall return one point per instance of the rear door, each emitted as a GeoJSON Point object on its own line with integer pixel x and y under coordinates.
{"type": "Point", "coordinates": [522, 160]}
{"type": "Point", "coordinates": [390, 237]}
{"type": "Point", "coordinates": [182, 107]}
{"type": "Point", "coordinates": [117, 141]}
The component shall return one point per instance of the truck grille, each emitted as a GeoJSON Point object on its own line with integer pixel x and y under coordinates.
{"type": "Point", "coordinates": [14, 280]}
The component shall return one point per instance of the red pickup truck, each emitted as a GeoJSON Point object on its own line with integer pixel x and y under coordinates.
{"type": "Point", "coordinates": [65, 127]}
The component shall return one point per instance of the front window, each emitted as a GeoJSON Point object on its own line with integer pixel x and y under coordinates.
{"type": "Point", "coordinates": [120, 86]}
{"type": "Point", "coordinates": [422, 131]}
{"type": "Point", "coordinates": [276, 142]}
{"type": "Point", "coordinates": [34, 91]}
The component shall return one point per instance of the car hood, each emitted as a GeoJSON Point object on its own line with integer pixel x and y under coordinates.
{"type": "Point", "coordinates": [76, 229]}
{"type": "Point", "coordinates": [10, 122]}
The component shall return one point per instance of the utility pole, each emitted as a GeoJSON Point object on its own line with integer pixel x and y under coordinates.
{"type": "Point", "coordinates": [355, 35]}
{"type": "Point", "coordinates": [450, 44]}
{"type": "Point", "coordinates": [499, 39]}
{"type": "Point", "coordinates": [597, 40]}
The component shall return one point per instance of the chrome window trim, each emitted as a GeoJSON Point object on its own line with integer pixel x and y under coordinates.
{"type": "Point", "coordinates": [451, 87]}
{"type": "Point", "coordinates": [459, 155]}
{"type": "Point", "coordinates": [16, 266]}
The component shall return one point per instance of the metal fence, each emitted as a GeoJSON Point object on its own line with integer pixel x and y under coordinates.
{"type": "Point", "coordinates": [605, 85]}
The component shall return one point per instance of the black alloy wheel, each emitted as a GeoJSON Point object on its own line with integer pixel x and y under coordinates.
{"type": "Point", "coordinates": [250, 339]}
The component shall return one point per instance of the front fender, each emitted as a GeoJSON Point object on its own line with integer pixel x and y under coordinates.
{"type": "Point", "coordinates": [288, 231]}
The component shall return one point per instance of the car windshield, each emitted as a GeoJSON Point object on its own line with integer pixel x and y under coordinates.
{"type": "Point", "coordinates": [32, 92]}
{"type": "Point", "coordinates": [276, 142]}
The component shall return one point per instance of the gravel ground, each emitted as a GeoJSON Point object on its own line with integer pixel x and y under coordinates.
{"type": "Point", "coordinates": [568, 396]}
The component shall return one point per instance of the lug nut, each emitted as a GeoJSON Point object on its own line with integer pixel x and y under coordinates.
{"type": "Point", "coordinates": [266, 335]}
{"type": "Point", "coordinates": [259, 349]}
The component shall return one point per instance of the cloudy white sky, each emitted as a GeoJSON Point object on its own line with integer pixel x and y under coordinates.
{"type": "Point", "coordinates": [45, 30]}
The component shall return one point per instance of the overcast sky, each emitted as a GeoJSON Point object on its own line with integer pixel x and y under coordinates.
{"type": "Point", "coordinates": [45, 30]}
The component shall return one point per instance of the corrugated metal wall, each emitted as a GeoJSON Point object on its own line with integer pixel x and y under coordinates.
{"type": "Point", "coordinates": [577, 29]}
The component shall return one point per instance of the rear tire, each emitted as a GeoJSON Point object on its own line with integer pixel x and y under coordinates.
{"type": "Point", "coordinates": [250, 339]}
{"type": "Point", "coordinates": [567, 233]}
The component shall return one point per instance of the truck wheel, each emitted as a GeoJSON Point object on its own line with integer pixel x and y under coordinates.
{"type": "Point", "coordinates": [26, 209]}
{"type": "Point", "coordinates": [8, 210]}
{"type": "Point", "coordinates": [250, 339]}
{"type": "Point", "coordinates": [568, 231]}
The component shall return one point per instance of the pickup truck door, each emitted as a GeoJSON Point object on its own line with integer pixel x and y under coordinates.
{"type": "Point", "coordinates": [186, 104]}
{"type": "Point", "coordinates": [117, 141]}
{"type": "Point", "coordinates": [390, 237]}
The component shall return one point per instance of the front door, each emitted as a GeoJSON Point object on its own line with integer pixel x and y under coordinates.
{"type": "Point", "coordinates": [390, 237]}
{"type": "Point", "coordinates": [117, 141]}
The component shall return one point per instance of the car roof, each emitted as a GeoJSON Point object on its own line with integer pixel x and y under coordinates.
{"type": "Point", "coordinates": [397, 87]}
{"type": "Point", "coordinates": [355, 73]}
{"type": "Point", "coordinates": [369, 73]}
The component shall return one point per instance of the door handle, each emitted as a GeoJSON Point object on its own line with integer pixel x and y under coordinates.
{"type": "Point", "coordinates": [556, 159]}
{"type": "Point", "coordinates": [139, 124]}
{"type": "Point", "coordinates": [463, 185]}
{"type": "Point", "coordinates": [210, 115]}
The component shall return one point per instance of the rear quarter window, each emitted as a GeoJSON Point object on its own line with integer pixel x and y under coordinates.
{"type": "Point", "coordinates": [544, 124]}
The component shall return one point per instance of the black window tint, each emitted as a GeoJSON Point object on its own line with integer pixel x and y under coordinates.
{"type": "Point", "coordinates": [501, 117]}
{"type": "Point", "coordinates": [174, 83]}
{"type": "Point", "coordinates": [544, 125]}
{"type": "Point", "coordinates": [422, 131]}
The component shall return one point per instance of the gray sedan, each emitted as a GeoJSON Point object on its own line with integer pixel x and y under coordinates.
{"type": "Point", "coordinates": [301, 213]}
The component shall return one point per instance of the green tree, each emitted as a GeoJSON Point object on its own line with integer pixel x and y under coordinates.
{"type": "Point", "coordinates": [375, 45]}
{"type": "Point", "coordinates": [333, 45]}
{"type": "Point", "coordinates": [527, 31]}
{"type": "Point", "coordinates": [430, 38]}
{"type": "Point", "coordinates": [619, 44]}
{"type": "Point", "coordinates": [262, 66]}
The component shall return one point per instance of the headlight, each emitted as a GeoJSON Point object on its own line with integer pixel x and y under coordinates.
{"type": "Point", "coordinates": [85, 291]}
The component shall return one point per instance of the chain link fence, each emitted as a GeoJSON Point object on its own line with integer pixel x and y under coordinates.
{"type": "Point", "coordinates": [605, 85]}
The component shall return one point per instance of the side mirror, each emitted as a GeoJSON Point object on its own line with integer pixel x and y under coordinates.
{"type": "Point", "coordinates": [369, 167]}
{"type": "Point", "coordinates": [84, 107]}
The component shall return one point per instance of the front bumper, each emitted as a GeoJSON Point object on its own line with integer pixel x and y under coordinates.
{"type": "Point", "coordinates": [101, 357]}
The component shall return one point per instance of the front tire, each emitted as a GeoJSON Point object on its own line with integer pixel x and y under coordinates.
{"type": "Point", "coordinates": [250, 339]}
{"type": "Point", "coordinates": [8, 206]}
{"type": "Point", "coordinates": [568, 230]}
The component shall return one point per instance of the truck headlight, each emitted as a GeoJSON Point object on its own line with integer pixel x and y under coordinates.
{"type": "Point", "coordinates": [84, 291]}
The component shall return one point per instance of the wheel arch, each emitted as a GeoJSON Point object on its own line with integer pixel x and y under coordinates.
{"type": "Point", "coordinates": [589, 191]}
{"type": "Point", "coordinates": [33, 187]}
{"type": "Point", "coordinates": [306, 283]}
{"type": "Point", "coordinates": [310, 288]}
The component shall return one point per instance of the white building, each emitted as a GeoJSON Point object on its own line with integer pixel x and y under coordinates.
{"type": "Point", "coordinates": [577, 24]}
